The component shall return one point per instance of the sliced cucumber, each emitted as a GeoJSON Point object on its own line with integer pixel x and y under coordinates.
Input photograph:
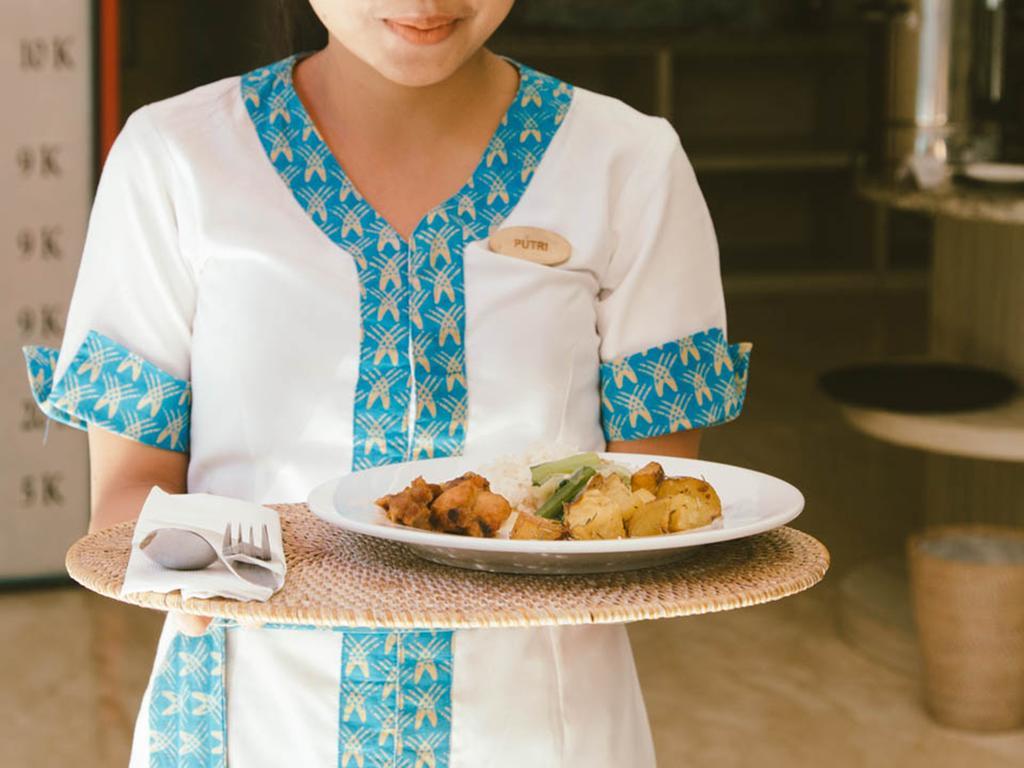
{"type": "Point", "coordinates": [541, 472]}
{"type": "Point", "coordinates": [566, 492]}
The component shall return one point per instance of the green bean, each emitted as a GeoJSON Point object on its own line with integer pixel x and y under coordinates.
{"type": "Point", "coordinates": [541, 472]}
{"type": "Point", "coordinates": [565, 493]}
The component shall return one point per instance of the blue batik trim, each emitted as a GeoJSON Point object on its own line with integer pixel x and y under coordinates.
{"type": "Point", "coordinates": [41, 363]}
{"type": "Point", "coordinates": [438, 310]}
{"type": "Point", "coordinates": [303, 161]}
{"type": "Point", "coordinates": [112, 387]}
{"type": "Point", "coordinates": [412, 294]}
{"type": "Point", "coordinates": [395, 705]}
{"type": "Point", "coordinates": [187, 706]}
{"type": "Point", "coordinates": [698, 381]}
{"type": "Point", "coordinates": [412, 316]}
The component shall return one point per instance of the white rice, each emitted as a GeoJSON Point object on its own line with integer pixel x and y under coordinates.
{"type": "Point", "coordinates": [510, 475]}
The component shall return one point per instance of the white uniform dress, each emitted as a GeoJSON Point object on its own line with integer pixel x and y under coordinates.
{"type": "Point", "coordinates": [240, 301]}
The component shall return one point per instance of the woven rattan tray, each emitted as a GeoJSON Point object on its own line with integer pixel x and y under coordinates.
{"type": "Point", "coordinates": [337, 578]}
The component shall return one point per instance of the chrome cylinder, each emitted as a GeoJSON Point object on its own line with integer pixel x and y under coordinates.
{"type": "Point", "coordinates": [920, 84]}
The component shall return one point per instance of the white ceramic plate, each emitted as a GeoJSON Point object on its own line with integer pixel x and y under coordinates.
{"type": "Point", "coordinates": [994, 173]}
{"type": "Point", "coordinates": [752, 503]}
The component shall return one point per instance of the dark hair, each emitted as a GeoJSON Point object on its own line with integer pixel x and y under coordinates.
{"type": "Point", "coordinates": [297, 28]}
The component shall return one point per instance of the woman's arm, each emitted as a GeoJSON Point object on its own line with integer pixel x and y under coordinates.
{"type": "Point", "coordinates": [667, 368]}
{"type": "Point", "coordinates": [683, 444]}
{"type": "Point", "coordinates": [122, 472]}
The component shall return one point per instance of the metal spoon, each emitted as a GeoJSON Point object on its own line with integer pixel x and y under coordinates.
{"type": "Point", "coordinates": [178, 549]}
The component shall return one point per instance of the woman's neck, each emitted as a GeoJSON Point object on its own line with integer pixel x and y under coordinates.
{"type": "Point", "coordinates": [406, 149]}
{"type": "Point", "coordinates": [355, 99]}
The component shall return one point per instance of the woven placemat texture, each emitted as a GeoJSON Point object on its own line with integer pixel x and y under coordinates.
{"type": "Point", "coordinates": [337, 578]}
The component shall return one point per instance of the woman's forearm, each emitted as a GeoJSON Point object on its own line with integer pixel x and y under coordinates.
{"type": "Point", "coordinates": [120, 504]}
{"type": "Point", "coordinates": [683, 444]}
{"type": "Point", "coordinates": [122, 472]}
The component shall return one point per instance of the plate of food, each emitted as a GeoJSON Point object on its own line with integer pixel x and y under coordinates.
{"type": "Point", "coordinates": [578, 513]}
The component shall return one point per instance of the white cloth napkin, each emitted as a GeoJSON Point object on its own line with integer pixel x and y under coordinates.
{"type": "Point", "coordinates": [206, 515]}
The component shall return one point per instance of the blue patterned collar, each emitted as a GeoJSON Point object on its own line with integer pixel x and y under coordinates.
{"type": "Point", "coordinates": [412, 395]}
{"type": "Point", "coordinates": [538, 108]}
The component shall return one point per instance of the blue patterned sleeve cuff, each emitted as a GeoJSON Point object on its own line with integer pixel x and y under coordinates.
{"type": "Point", "coordinates": [111, 387]}
{"type": "Point", "coordinates": [695, 382]}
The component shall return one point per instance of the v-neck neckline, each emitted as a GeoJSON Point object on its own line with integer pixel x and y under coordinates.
{"type": "Point", "coordinates": [412, 392]}
{"type": "Point", "coordinates": [299, 107]}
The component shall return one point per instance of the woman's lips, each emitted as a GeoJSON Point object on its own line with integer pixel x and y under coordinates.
{"type": "Point", "coordinates": [423, 30]}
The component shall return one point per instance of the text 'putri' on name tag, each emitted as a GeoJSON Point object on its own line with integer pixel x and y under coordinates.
{"type": "Point", "coordinates": [541, 246]}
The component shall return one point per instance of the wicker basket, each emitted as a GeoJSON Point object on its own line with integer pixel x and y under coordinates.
{"type": "Point", "coordinates": [968, 592]}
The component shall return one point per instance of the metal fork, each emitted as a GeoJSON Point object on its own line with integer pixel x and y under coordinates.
{"type": "Point", "coordinates": [235, 545]}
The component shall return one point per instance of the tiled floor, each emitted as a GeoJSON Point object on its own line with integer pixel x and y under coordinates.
{"type": "Point", "coordinates": [772, 686]}
{"type": "Point", "coordinates": [775, 687]}
{"type": "Point", "coordinates": [769, 686]}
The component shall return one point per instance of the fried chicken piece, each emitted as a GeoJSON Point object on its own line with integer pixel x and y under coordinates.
{"type": "Point", "coordinates": [411, 506]}
{"type": "Point", "coordinates": [467, 506]}
{"type": "Point", "coordinates": [530, 526]}
{"type": "Point", "coordinates": [477, 481]}
{"type": "Point", "coordinates": [491, 510]}
{"type": "Point", "coordinates": [648, 477]}
{"type": "Point", "coordinates": [464, 505]}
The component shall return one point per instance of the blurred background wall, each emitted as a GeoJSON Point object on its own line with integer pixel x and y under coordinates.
{"type": "Point", "coordinates": [46, 185]}
{"type": "Point", "coordinates": [776, 103]}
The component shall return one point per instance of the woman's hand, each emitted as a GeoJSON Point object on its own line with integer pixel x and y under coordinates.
{"type": "Point", "coordinates": [122, 473]}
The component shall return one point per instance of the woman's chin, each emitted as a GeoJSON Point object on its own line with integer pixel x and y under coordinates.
{"type": "Point", "coordinates": [417, 66]}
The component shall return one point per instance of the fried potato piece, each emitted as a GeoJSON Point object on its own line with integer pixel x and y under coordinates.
{"type": "Point", "coordinates": [615, 489]}
{"type": "Point", "coordinates": [464, 507]}
{"type": "Point", "coordinates": [411, 505]}
{"type": "Point", "coordinates": [598, 512]}
{"type": "Point", "coordinates": [594, 516]}
{"type": "Point", "coordinates": [683, 503]}
{"type": "Point", "coordinates": [642, 496]}
{"type": "Point", "coordinates": [689, 514]}
{"type": "Point", "coordinates": [530, 526]}
{"type": "Point", "coordinates": [670, 486]}
{"type": "Point", "coordinates": [637, 500]}
{"type": "Point", "coordinates": [698, 503]}
{"type": "Point", "coordinates": [648, 477]}
{"type": "Point", "coordinates": [651, 518]}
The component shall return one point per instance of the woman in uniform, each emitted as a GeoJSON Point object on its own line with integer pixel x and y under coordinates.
{"type": "Point", "coordinates": [289, 275]}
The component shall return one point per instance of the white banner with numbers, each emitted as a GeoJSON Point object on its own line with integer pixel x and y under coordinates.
{"type": "Point", "coordinates": [46, 185]}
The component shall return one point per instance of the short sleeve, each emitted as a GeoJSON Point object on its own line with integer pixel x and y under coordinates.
{"type": "Point", "coordinates": [124, 360]}
{"type": "Point", "coordinates": [666, 363]}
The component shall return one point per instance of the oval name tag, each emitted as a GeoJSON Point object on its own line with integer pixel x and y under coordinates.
{"type": "Point", "coordinates": [541, 246]}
